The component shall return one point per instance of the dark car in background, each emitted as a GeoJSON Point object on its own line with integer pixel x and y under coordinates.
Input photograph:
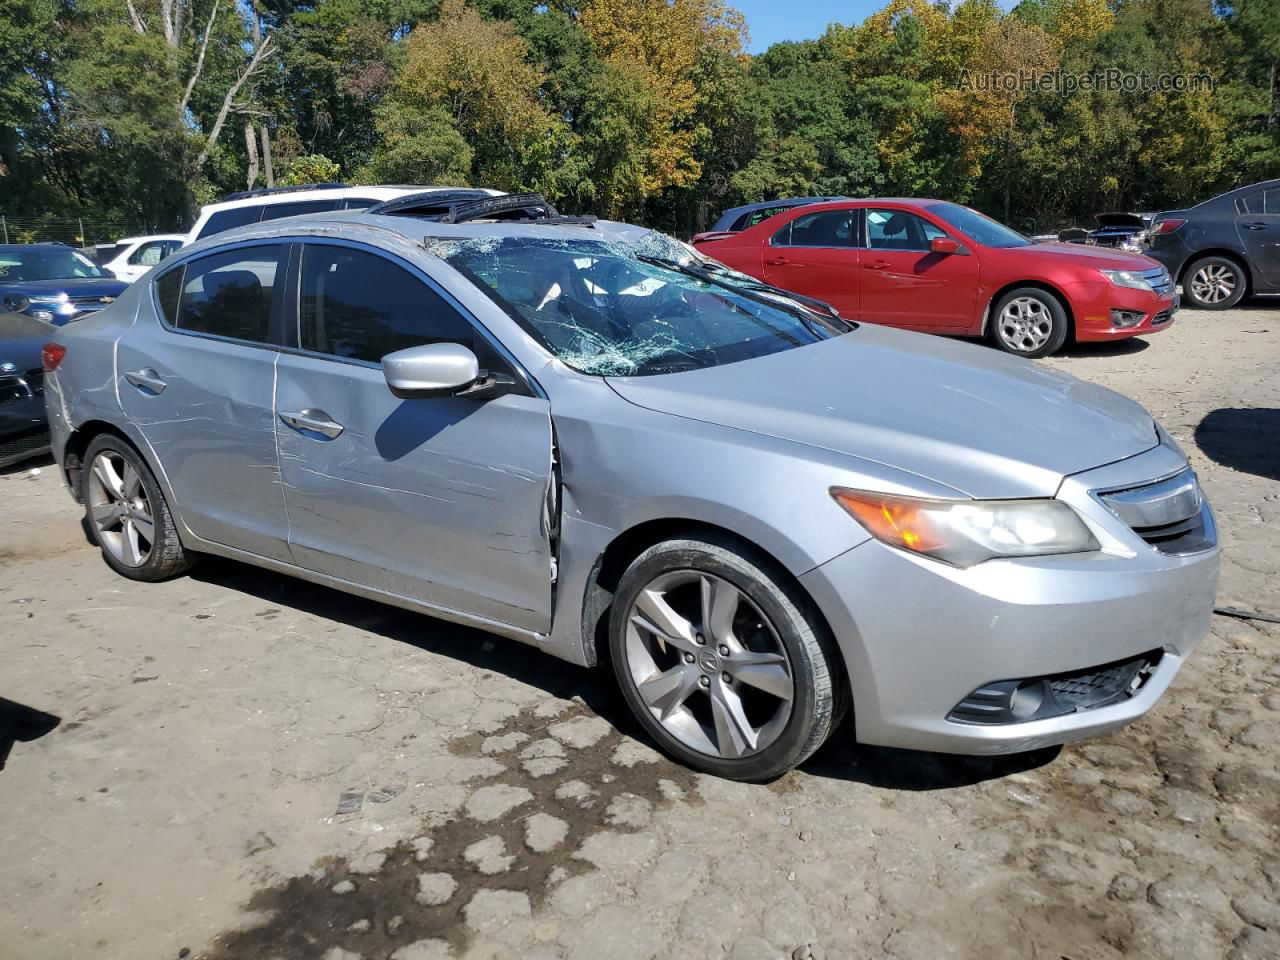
{"type": "Point", "coordinates": [54, 283]}
{"type": "Point", "coordinates": [24, 431]}
{"type": "Point", "coordinates": [741, 218]}
{"type": "Point", "coordinates": [1222, 249]}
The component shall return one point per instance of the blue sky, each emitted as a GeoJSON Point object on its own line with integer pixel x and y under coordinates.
{"type": "Point", "coordinates": [774, 20]}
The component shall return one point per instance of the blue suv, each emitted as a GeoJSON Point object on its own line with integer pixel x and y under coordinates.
{"type": "Point", "coordinates": [53, 282]}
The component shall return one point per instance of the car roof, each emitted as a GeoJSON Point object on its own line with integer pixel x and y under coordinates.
{"type": "Point", "coordinates": [149, 236]}
{"type": "Point", "coordinates": [365, 226]}
{"type": "Point", "coordinates": [375, 192]}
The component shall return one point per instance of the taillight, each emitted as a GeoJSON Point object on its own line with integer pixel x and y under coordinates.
{"type": "Point", "coordinates": [51, 355]}
{"type": "Point", "coordinates": [1166, 226]}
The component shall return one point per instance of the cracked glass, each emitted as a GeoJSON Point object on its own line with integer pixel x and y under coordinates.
{"type": "Point", "coordinates": [652, 306]}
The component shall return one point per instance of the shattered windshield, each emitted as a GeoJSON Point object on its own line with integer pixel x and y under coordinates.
{"type": "Point", "coordinates": [615, 309]}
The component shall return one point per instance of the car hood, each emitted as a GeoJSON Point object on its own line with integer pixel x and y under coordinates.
{"type": "Point", "coordinates": [1133, 220]}
{"type": "Point", "coordinates": [983, 423]}
{"type": "Point", "coordinates": [1083, 255]}
{"type": "Point", "coordinates": [21, 338]}
{"type": "Point", "coordinates": [72, 287]}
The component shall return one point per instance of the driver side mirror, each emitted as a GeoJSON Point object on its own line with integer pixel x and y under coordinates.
{"type": "Point", "coordinates": [434, 369]}
{"type": "Point", "coordinates": [945, 246]}
{"type": "Point", "coordinates": [441, 370]}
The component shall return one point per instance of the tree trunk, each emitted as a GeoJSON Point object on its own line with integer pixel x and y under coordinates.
{"type": "Point", "coordinates": [251, 148]}
{"type": "Point", "coordinates": [266, 157]}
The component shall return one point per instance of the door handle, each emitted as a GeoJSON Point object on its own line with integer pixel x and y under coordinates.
{"type": "Point", "coordinates": [146, 380]}
{"type": "Point", "coordinates": [877, 265]}
{"type": "Point", "coordinates": [1255, 225]}
{"type": "Point", "coordinates": [313, 421]}
{"type": "Point", "coordinates": [776, 261]}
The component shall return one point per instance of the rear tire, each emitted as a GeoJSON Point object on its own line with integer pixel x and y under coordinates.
{"type": "Point", "coordinates": [127, 515]}
{"type": "Point", "coordinates": [723, 660]}
{"type": "Point", "coordinates": [1214, 283]}
{"type": "Point", "coordinates": [1029, 322]}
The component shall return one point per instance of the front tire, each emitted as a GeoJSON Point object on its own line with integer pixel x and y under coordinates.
{"type": "Point", "coordinates": [1214, 283]}
{"type": "Point", "coordinates": [723, 660]}
{"type": "Point", "coordinates": [1029, 322]}
{"type": "Point", "coordinates": [127, 515]}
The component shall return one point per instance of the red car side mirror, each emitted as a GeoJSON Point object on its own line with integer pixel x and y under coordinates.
{"type": "Point", "coordinates": [943, 245]}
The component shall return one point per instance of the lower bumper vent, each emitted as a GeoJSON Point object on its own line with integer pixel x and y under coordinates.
{"type": "Point", "coordinates": [1039, 698]}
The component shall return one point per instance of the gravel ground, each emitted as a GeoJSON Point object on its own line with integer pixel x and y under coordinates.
{"type": "Point", "coordinates": [245, 766]}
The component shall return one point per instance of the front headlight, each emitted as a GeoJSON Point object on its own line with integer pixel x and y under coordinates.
{"type": "Point", "coordinates": [966, 532]}
{"type": "Point", "coordinates": [1128, 278]}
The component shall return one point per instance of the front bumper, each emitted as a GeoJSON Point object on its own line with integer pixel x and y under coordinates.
{"type": "Point", "coordinates": [23, 430]}
{"type": "Point", "coordinates": [1092, 305]}
{"type": "Point", "coordinates": [918, 637]}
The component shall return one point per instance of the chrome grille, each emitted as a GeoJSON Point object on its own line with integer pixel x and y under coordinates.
{"type": "Point", "coordinates": [1167, 514]}
{"type": "Point", "coordinates": [1159, 279]}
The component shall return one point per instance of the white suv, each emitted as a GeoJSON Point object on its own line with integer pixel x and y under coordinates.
{"type": "Point", "coordinates": [253, 206]}
{"type": "Point", "coordinates": [131, 257]}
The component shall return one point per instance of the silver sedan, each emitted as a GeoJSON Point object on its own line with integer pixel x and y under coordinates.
{"type": "Point", "coordinates": [582, 436]}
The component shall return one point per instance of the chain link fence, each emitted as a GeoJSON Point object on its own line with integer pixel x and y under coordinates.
{"type": "Point", "coordinates": [76, 231]}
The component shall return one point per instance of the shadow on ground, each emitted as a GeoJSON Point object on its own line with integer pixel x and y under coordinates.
{"type": "Point", "coordinates": [1245, 439]}
{"type": "Point", "coordinates": [21, 724]}
{"type": "Point", "coordinates": [42, 462]}
{"type": "Point", "coordinates": [840, 758]}
{"type": "Point", "coordinates": [1105, 348]}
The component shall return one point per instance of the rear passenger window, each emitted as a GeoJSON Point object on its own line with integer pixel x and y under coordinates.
{"type": "Point", "coordinates": [168, 292]}
{"type": "Point", "coordinates": [1272, 200]}
{"type": "Point", "coordinates": [831, 228]}
{"type": "Point", "coordinates": [1250, 204]}
{"type": "Point", "coordinates": [229, 220]}
{"type": "Point", "coordinates": [231, 294]}
{"type": "Point", "coordinates": [358, 305]}
{"type": "Point", "coordinates": [275, 211]}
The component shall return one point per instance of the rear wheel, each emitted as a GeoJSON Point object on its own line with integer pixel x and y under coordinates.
{"type": "Point", "coordinates": [723, 660]}
{"type": "Point", "coordinates": [1214, 283]}
{"type": "Point", "coordinates": [1029, 322]}
{"type": "Point", "coordinates": [127, 514]}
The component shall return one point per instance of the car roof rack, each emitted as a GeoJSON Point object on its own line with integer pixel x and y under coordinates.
{"type": "Point", "coordinates": [271, 191]}
{"type": "Point", "coordinates": [428, 203]}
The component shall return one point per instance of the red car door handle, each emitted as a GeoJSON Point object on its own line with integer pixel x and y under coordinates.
{"type": "Point", "coordinates": [877, 265]}
{"type": "Point", "coordinates": [776, 261]}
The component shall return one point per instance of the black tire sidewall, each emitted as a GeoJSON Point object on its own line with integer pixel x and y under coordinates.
{"type": "Point", "coordinates": [1233, 300]}
{"type": "Point", "coordinates": [792, 624]}
{"type": "Point", "coordinates": [155, 567]}
{"type": "Point", "coordinates": [1061, 325]}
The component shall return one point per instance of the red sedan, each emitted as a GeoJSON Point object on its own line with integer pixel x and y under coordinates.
{"type": "Point", "coordinates": [940, 267]}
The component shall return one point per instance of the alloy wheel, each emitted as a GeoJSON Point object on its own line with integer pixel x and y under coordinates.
{"type": "Point", "coordinates": [1213, 283]}
{"type": "Point", "coordinates": [1025, 324]}
{"type": "Point", "coordinates": [119, 508]}
{"type": "Point", "coordinates": [708, 664]}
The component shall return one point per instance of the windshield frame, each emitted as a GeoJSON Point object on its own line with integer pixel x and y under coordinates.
{"type": "Point", "coordinates": [941, 208]}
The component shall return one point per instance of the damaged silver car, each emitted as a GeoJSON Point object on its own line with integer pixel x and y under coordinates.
{"type": "Point", "coordinates": [581, 435]}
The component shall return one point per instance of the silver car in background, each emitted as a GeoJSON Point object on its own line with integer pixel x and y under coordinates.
{"type": "Point", "coordinates": [579, 435]}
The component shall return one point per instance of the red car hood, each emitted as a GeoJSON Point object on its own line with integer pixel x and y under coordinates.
{"type": "Point", "coordinates": [1086, 255]}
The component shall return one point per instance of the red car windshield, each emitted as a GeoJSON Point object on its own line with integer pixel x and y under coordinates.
{"type": "Point", "coordinates": [978, 226]}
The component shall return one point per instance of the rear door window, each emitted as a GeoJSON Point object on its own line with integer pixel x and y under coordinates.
{"type": "Point", "coordinates": [1253, 203]}
{"type": "Point", "coordinates": [149, 254]}
{"type": "Point", "coordinates": [277, 211]}
{"type": "Point", "coordinates": [829, 228]}
{"type": "Point", "coordinates": [229, 220]}
{"type": "Point", "coordinates": [233, 294]}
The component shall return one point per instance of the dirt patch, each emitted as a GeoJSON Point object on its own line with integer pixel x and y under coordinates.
{"type": "Point", "coordinates": [568, 777]}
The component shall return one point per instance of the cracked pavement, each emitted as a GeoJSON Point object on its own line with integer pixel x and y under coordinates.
{"type": "Point", "coordinates": [248, 766]}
